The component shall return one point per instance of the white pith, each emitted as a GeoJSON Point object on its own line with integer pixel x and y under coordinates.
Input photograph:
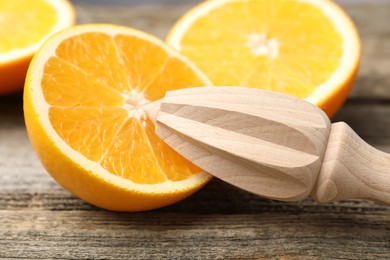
{"type": "Point", "coordinates": [65, 19]}
{"type": "Point", "coordinates": [351, 46]}
{"type": "Point", "coordinates": [261, 45]}
{"type": "Point", "coordinates": [134, 100]}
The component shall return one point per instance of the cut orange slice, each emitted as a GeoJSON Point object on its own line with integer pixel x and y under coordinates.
{"type": "Point", "coordinates": [83, 101]}
{"type": "Point", "coordinates": [306, 48]}
{"type": "Point", "coordinates": [24, 26]}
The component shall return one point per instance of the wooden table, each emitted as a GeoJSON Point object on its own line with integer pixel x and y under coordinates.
{"type": "Point", "coordinates": [38, 219]}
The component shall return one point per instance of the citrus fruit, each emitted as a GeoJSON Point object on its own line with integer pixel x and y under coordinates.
{"type": "Point", "coordinates": [24, 26]}
{"type": "Point", "coordinates": [306, 48]}
{"type": "Point", "coordinates": [83, 100]}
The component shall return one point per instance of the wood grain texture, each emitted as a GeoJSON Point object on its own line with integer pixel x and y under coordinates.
{"type": "Point", "coordinates": [74, 234]}
{"type": "Point", "coordinates": [271, 144]}
{"type": "Point", "coordinates": [352, 169]}
{"type": "Point", "coordinates": [267, 143]}
{"type": "Point", "coordinates": [39, 220]}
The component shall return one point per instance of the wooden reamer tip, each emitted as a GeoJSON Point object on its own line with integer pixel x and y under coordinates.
{"type": "Point", "coordinates": [271, 144]}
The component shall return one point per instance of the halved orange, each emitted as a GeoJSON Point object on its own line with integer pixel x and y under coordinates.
{"type": "Point", "coordinates": [306, 48]}
{"type": "Point", "coordinates": [24, 26]}
{"type": "Point", "coordinates": [83, 101]}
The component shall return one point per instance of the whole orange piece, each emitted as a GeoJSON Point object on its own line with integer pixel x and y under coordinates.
{"type": "Point", "coordinates": [24, 26]}
{"type": "Point", "coordinates": [306, 48]}
{"type": "Point", "coordinates": [83, 103]}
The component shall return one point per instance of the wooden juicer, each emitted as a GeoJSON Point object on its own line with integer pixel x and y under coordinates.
{"type": "Point", "coordinates": [271, 144]}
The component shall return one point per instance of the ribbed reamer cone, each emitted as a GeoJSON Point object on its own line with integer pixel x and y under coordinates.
{"type": "Point", "coordinates": [267, 143]}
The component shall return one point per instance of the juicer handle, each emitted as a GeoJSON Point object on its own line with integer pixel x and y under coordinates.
{"type": "Point", "coordinates": [352, 169]}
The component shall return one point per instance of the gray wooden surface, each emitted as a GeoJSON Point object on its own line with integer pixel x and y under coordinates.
{"type": "Point", "coordinates": [38, 219]}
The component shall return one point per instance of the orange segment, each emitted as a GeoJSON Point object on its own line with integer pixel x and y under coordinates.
{"type": "Point", "coordinates": [130, 156]}
{"type": "Point", "coordinates": [102, 57]}
{"type": "Point", "coordinates": [83, 110]}
{"type": "Point", "coordinates": [173, 75]}
{"type": "Point", "coordinates": [29, 23]}
{"type": "Point", "coordinates": [175, 167]}
{"type": "Point", "coordinates": [132, 51]}
{"type": "Point", "coordinates": [88, 130]}
{"type": "Point", "coordinates": [64, 84]}
{"type": "Point", "coordinates": [307, 48]}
